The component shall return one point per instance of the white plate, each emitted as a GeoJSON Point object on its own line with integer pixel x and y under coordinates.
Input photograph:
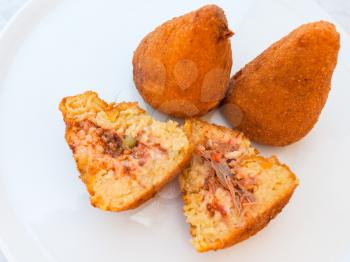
{"type": "Point", "coordinates": [59, 48]}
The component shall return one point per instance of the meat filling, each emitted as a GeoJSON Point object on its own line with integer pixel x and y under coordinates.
{"type": "Point", "coordinates": [123, 154]}
{"type": "Point", "coordinates": [222, 161]}
{"type": "Point", "coordinates": [112, 142]}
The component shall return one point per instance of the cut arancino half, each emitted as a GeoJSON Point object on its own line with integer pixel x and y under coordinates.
{"type": "Point", "coordinates": [124, 156]}
{"type": "Point", "coordinates": [229, 191]}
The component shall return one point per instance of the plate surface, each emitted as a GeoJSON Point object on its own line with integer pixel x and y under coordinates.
{"type": "Point", "coordinates": [58, 48]}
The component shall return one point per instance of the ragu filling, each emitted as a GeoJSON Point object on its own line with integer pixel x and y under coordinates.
{"type": "Point", "coordinates": [122, 153]}
{"type": "Point", "coordinates": [222, 160]}
{"type": "Point", "coordinates": [113, 144]}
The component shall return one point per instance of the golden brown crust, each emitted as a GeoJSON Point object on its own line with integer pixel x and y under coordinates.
{"type": "Point", "coordinates": [281, 93]}
{"type": "Point", "coordinates": [183, 67]}
{"type": "Point", "coordinates": [88, 107]}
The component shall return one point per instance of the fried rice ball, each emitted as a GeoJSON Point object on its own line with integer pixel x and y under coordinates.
{"type": "Point", "coordinates": [277, 98]}
{"type": "Point", "coordinates": [183, 67]}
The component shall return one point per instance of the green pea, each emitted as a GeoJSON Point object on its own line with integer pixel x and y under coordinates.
{"type": "Point", "coordinates": [129, 142]}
